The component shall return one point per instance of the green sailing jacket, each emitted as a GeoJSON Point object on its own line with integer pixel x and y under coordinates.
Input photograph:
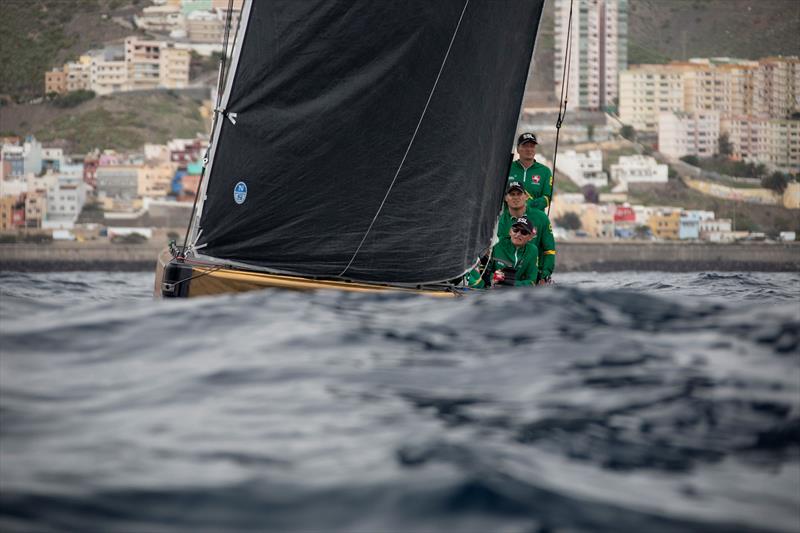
{"type": "Point", "coordinates": [542, 237]}
{"type": "Point", "coordinates": [505, 255]}
{"type": "Point", "coordinates": [537, 180]}
{"type": "Point", "coordinates": [524, 260]}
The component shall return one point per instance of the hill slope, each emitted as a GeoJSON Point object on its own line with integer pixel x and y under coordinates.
{"type": "Point", "coordinates": [40, 34]}
{"type": "Point", "coordinates": [123, 121]}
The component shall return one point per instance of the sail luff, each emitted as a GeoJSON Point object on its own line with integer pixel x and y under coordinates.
{"type": "Point", "coordinates": [219, 118]}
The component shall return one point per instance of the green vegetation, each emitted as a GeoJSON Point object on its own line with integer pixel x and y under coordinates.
{"type": "Point", "coordinates": [638, 55]}
{"type": "Point", "coordinates": [662, 30]}
{"type": "Point", "coordinates": [40, 34]}
{"type": "Point", "coordinates": [72, 99]}
{"type": "Point", "coordinates": [125, 121]}
{"type": "Point", "coordinates": [569, 221]}
{"type": "Point", "coordinates": [776, 181]}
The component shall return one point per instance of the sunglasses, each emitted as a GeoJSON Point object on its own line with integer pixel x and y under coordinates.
{"type": "Point", "coordinates": [520, 231]}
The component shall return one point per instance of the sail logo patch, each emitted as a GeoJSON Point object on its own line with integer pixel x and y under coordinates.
{"type": "Point", "coordinates": [240, 192]}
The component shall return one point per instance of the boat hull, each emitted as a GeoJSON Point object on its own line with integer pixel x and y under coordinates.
{"type": "Point", "coordinates": [186, 279]}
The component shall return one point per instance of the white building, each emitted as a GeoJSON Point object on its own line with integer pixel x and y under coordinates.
{"type": "Point", "coordinates": [716, 230]}
{"type": "Point", "coordinates": [65, 200]}
{"type": "Point", "coordinates": [583, 168]}
{"type": "Point", "coordinates": [681, 134]}
{"type": "Point", "coordinates": [599, 50]}
{"type": "Point", "coordinates": [637, 169]}
{"type": "Point", "coordinates": [163, 18]}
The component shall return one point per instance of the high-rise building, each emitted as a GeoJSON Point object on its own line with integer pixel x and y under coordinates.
{"type": "Point", "coordinates": [598, 50]}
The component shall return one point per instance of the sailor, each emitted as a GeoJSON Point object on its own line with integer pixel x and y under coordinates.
{"type": "Point", "coordinates": [534, 176]}
{"type": "Point", "coordinates": [516, 207]}
{"type": "Point", "coordinates": [515, 260]}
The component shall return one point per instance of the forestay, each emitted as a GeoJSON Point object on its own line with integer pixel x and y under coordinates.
{"type": "Point", "coordinates": [366, 140]}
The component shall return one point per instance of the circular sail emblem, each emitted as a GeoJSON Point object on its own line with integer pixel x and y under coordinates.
{"type": "Point", "coordinates": [240, 192]}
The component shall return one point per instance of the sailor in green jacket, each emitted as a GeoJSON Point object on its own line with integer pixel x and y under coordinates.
{"type": "Point", "coordinates": [535, 177]}
{"type": "Point", "coordinates": [516, 207]}
{"type": "Point", "coordinates": [514, 260]}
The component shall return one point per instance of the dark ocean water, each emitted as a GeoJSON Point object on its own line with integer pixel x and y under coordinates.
{"type": "Point", "coordinates": [641, 402]}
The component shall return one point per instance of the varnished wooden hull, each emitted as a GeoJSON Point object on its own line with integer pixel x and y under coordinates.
{"type": "Point", "coordinates": [175, 279]}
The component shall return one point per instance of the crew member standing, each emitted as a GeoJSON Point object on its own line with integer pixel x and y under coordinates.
{"type": "Point", "coordinates": [534, 176]}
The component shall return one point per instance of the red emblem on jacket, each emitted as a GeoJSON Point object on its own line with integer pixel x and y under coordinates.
{"type": "Point", "coordinates": [535, 179]}
{"type": "Point", "coordinates": [533, 232]}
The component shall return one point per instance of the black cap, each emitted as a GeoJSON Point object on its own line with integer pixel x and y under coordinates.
{"type": "Point", "coordinates": [527, 138]}
{"type": "Point", "coordinates": [523, 222]}
{"type": "Point", "coordinates": [514, 185]}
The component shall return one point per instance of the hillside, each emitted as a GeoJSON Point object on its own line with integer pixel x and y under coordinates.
{"type": "Point", "coordinates": [122, 121]}
{"type": "Point", "coordinates": [660, 30]}
{"type": "Point", "coordinates": [40, 34]}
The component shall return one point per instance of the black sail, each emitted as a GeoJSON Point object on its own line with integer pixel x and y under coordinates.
{"type": "Point", "coordinates": [373, 137]}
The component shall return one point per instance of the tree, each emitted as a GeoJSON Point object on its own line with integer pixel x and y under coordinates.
{"type": "Point", "coordinates": [628, 132]}
{"type": "Point", "coordinates": [590, 194]}
{"type": "Point", "coordinates": [724, 146]}
{"type": "Point", "coordinates": [643, 232]}
{"type": "Point", "coordinates": [569, 220]}
{"type": "Point", "coordinates": [691, 160]}
{"type": "Point", "coordinates": [775, 182]}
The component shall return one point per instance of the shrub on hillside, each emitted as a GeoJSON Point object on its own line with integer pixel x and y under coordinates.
{"type": "Point", "coordinates": [776, 182]}
{"type": "Point", "coordinates": [73, 99]}
{"type": "Point", "coordinates": [569, 221]}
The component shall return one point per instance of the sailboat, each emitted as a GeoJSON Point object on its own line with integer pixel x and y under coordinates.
{"type": "Point", "coordinates": [357, 145]}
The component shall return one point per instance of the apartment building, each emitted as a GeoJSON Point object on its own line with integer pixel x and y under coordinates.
{"type": "Point", "coordinates": [776, 87]}
{"type": "Point", "coordinates": [118, 181]}
{"type": "Point", "coordinates": [774, 142]}
{"type": "Point", "coordinates": [109, 71]}
{"type": "Point", "coordinates": [599, 50]}
{"type": "Point", "coordinates": [768, 88]}
{"type": "Point", "coordinates": [681, 134]}
{"type": "Point", "coordinates": [647, 90]}
{"type": "Point", "coordinates": [155, 64]}
{"type": "Point", "coordinates": [155, 179]}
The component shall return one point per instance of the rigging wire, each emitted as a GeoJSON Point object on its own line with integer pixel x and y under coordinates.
{"type": "Point", "coordinates": [222, 77]}
{"type": "Point", "coordinates": [563, 100]}
{"type": "Point", "coordinates": [408, 148]}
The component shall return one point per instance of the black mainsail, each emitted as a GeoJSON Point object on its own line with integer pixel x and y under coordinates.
{"type": "Point", "coordinates": [365, 140]}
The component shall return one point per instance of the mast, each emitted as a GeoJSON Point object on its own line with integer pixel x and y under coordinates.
{"type": "Point", "coordinates": [219, 116]}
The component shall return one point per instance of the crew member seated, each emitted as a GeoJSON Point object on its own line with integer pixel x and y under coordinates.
{"type": "Point", "coordinates": [516, 207]}
{"type": "Point", "coordinates": [514, 260]}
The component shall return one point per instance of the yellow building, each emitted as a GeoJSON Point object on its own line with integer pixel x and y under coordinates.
{"type": "Point", "coordinates": [155, 179]}
{"type": "Point", "coordinates": [55, 81]}
{"type": "Point", "coordinates": [598, 221]}
{"type": "Point", "coordinates": [791, 196]}
{"type": "Point", "coordinates": [666, 224]}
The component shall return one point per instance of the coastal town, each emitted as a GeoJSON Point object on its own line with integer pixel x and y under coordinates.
{"type": "Point", "coordinates": [701, 149]}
